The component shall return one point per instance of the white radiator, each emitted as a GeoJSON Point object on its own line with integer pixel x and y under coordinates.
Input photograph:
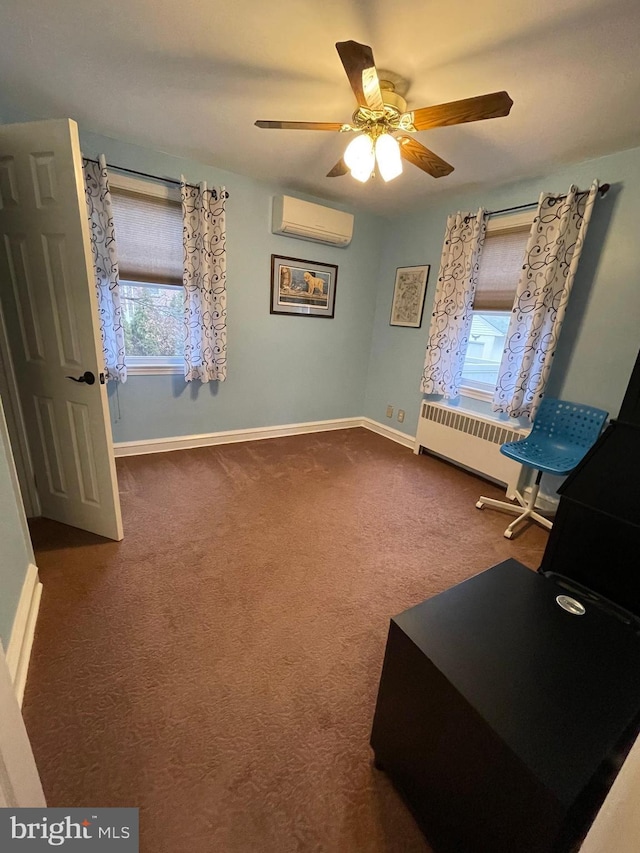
{"type": "Point", "coordinates": [471, 441]}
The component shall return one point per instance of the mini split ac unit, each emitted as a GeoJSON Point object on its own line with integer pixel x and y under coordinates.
{"type": "Point", "coordinates": [306, 221]}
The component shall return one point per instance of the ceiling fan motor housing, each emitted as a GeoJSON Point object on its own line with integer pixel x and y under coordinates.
{"type": "Point", "coordinates": [391, 98]}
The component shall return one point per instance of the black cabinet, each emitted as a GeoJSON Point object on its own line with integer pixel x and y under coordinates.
{"type": "Point", "coordinates": [500, 715]}
{"type": "Point", "coordinates": [595, 538]}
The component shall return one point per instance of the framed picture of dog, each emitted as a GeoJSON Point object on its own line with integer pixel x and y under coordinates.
{"type": "Point", "coordinates": [408, 296]}
{"type": "Point", "coordinates": [303, 288]}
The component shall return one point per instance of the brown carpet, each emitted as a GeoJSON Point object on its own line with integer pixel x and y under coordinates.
{"type": "Point", "coordinates": [219, 667]}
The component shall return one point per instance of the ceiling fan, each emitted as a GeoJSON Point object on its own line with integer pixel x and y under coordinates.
{"type": "Point", "coordinates": [382, 122]}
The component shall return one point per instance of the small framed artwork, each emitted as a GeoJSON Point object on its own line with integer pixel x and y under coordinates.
{"type": "Point", "coordinates": [306, 288]}
{"type": "Point", "coordinates": [408, 296]}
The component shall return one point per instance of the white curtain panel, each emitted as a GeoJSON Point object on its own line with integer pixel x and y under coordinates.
{"type": "Point", "coordinates": [205, 282]}
{"type": "Point", "coordinates": [551, 260]}
{"type": "Point", "coordinates": [453, 303]}
{"type": "Point", "coordinates": [105, 264]}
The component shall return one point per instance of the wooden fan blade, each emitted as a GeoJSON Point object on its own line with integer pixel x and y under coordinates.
{"type": "Point", "coordinates": [495, 105]}
{"type": "Point", "coordinates": [300, 125]}
{"type": "Point", "coordinates": [358, 62]}
{"type": "Point", "coordinates": [416, 153]}
{"type": "Point", "coordinates": [338, 170]}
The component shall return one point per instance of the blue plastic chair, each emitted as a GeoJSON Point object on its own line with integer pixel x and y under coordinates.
{"type": "Point", "coordinates": [562, 434]}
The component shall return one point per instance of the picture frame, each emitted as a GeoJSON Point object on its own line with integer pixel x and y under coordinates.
{"type": "Point", "coordinates": [303, 288]}
{"type": "Point", "coordinates": [409, 291]}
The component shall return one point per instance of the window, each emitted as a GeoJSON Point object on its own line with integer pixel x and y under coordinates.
{"type": "Point", "coordinates": [500, 266]}
{"type": "Point", "coordinates": [148, 224]}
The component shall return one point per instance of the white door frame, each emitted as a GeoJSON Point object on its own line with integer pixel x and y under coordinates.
{"type": "Point", "coordinates": [16, 427]}
{"type": "Point", "coordinates": [20, 784]}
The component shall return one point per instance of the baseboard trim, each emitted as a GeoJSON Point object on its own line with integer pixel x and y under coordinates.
{"type": "Point", "coordinates": [186, 442]}
{"type": "Point", "coordinates": [23, 631]}
{"type": "Point", "coordinates": [389, 432]}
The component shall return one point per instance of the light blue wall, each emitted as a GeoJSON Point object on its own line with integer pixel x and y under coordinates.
{"type": "Point", "coordinates": [15, 547]}
{"type": "Point", "coordinates": [281, 369]}
{"type": "Point", "coordinates": [287, 370]}
{"type": "Point", "coordinates": [601, 335]}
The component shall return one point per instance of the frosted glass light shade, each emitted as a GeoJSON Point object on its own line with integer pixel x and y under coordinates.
{"type": "Point", "coordinates": [360, 157]}
{"type": "Point", "coordinates": [388, 157]}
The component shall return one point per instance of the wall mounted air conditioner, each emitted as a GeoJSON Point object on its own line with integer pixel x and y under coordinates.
{"type": "Point", "coordinates": [306, 221]}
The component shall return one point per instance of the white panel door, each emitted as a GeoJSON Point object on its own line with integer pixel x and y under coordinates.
{"type": "Point", "coordinates": [47, 287]}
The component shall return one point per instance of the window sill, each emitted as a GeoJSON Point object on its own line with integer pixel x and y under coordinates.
{"type": "Point", "coordinates": [155, 369]}
{"type": "Point", "coordinates": [476, 393]}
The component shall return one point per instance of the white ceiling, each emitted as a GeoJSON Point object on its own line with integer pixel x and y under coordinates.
{"type": "Point", "coordinates": [190, 77]}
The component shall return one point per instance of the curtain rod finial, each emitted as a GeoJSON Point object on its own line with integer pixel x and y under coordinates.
{"type": "Point", "coordinates": [604, 189]}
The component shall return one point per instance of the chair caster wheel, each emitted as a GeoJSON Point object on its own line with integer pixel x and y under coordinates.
{"type": "Point", "coordinates": [480, 505]}
{"type": "Point", "coordinates": [508, 534]}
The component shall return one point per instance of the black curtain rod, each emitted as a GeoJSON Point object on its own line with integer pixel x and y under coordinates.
{"type": "Point", "coordinates": [603, 190]}
{"type": "Point", "coordinates": [147, 175]}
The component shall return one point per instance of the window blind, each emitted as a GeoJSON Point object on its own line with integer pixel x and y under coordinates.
{"type": "Point", "coordinates": [149, 234]}
{"type": "Point", "coordinates": [500, 267]}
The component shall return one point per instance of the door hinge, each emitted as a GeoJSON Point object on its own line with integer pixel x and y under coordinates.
{"type": "Point", "coordinates": [102, 378]}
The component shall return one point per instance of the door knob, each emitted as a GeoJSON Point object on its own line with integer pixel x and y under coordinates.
{"type": "Point", "coordinates": [87, 377]}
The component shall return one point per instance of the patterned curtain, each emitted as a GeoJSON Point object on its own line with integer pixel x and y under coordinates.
{"type": "Point", "coordinates": [453, 303]}
{"type": "Point", "coordinates": [205, 282]}
{"type": "Point", "coordinates": [105, 265]}
{"type": "Point", "coordinates": [551, 260]}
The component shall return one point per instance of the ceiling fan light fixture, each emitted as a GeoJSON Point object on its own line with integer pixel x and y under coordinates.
{"type": "Point", "coordinates": [382, 112]}
{"type": "Point", "coordinates": [388, 156]}
{"type": "Point", "coordinates": [360, 157]}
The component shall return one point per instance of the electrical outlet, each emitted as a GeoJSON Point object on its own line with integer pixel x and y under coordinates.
{"type": "Point", "coordinates": [389, 411]}
{"type": "Point", "coordinates": [400, 416]}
